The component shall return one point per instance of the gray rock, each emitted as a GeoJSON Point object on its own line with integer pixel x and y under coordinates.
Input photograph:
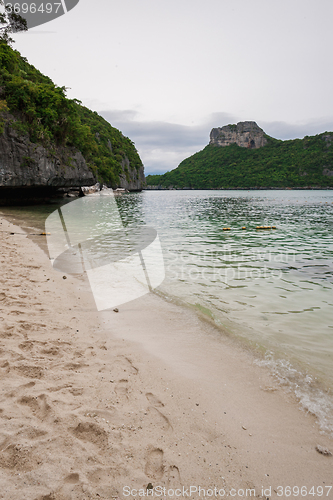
{"type": "Point", "coordinates": [85, 190]}
{"type": "Point", "coordinates": [323, 451]}
{"type": "Point", "coordinates": [131, 178]}
{"type": "Point", "coordinates": [25, 164]}
{"type": "Point", "coordinates": [244, 134]}
{"type": "Point", "coordinates": [327, 172]}
{"type": "Point", "coordinates": [328, 138]}
{"type": "Point", "coordinates": [31, 172]}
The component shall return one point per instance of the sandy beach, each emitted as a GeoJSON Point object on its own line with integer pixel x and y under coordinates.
{"type": "Point", "coordinates": [105, 405]}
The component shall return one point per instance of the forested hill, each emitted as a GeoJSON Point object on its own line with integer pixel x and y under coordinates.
{"type": "Point", "coordinates": [295, 163]}
{"type": "Point", "coordinates": [42, 131]}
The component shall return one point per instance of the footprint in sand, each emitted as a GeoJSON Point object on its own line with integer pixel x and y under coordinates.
{"type": "Point", "coordinates": [32, 346]}
{"type": "Point", "coordinates": [157, 419]}
{"type": "Point", "coordinates": [4, 367]}
{"type": "Point", "coordinates": [154, 468]}
{"type": "Point", "coordinates": [36, 347]}
{"type": "Point", "coordinates": [30, 371]}
{"type": "Point", "coordinates": [20, 389]}
{"type": "Point", "coordinates": [27, 345]}
{"type": "Point", "coordinates": [76, 391]}
{"type": "Point", "coordinates": [174, 480]}
{"type": "Point", "coordinates": [32, 434]}
{"type": "Point", "coordinates": [37, 405]}
{"type": "Point", "coordinates": [18, 458]}
{"type": "Point", "coordinates": [7, 332]}
{"type": "Point", "coordinates": [16, 312]}
{"type": "Point", "coordinates": [50, 496]}
{"type": "Point", "coordinates": [90, 432]}
{"type": "Point", "coordinates": [123, 365]}
{"type": "Point", "coordinates": [73, 478]}
{"type": "Point", "coordinates": [153, 400]}
{"type": "Point", "coordinates": [121, 388]}
{"type": "Point", "coordinates": [52, 351]}
{"type": "Point", "coordinates": [25, 327]}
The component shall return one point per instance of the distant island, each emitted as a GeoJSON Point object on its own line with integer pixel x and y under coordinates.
{"type": "Point", "coordinates": [50, 143]}
{"type": "Point", "coordinates": [242, 156]}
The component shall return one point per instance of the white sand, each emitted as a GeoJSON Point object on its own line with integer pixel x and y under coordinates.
{"type": "Point", "coordinates": [92, 403]}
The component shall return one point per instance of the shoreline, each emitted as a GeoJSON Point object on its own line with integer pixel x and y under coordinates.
{"type": "Point", "coordinates": [305, 383]}
{"type": "Point", "coordinates": [307, 188]}
{"type": "Point", "coordinates": [92, 403]}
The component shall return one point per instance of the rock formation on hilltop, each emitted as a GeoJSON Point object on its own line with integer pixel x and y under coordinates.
{"type": "Point", "coordinates": [299, 163]}
{"type": "Point", "coordinates": [244, 134]}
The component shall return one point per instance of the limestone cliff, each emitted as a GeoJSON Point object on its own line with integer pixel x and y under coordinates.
{"type": "Point", "coordinates": [244, 134]}
{"type": "Point", "coordinates": [24, 164]}
{"type": "Point", "coordinates": [132, 179]}
{"type": "Point", "coordinates": [30, 173]}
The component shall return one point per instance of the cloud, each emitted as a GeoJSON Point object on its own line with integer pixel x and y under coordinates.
{"type": "Point", "coordinates": [285, 131]}
{"type": "Point", "coordinates": [163, 145]}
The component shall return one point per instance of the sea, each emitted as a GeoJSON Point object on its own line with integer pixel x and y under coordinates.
{"type": "Point", "coordinates": [257, 264]}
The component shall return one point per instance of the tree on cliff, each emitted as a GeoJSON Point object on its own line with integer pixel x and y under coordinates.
{"type": "Point", "coordinates": [10, 22]}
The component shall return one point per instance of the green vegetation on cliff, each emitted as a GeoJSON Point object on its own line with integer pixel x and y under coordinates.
{"type": "Point", "coordinates": [294, 163]}
{"type": "Point", "coordinates": [43, 112]}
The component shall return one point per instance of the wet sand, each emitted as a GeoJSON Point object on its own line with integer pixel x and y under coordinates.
{"type": "Point", "coordinates": [104, 405]}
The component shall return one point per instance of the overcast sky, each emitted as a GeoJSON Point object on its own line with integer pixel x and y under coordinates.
{"type": "Point", "coordinates": [165, 72]}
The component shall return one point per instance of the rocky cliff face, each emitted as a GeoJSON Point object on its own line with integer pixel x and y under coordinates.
{"type": "Point", "coordinates": [24, 164]}
{"type": "Point", "coordinates": [132, 179]}
{"type": "Point", "coordinates": [244, 134]}
{"type": "Point", "coordinates": [29, 172]}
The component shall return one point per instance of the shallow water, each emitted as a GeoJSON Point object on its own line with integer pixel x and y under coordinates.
{"type": "Point", "coordinates": [272, 288]}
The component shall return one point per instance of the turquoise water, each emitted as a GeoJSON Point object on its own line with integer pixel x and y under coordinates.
{"type": "Point", "coordinates": [272, 289]}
